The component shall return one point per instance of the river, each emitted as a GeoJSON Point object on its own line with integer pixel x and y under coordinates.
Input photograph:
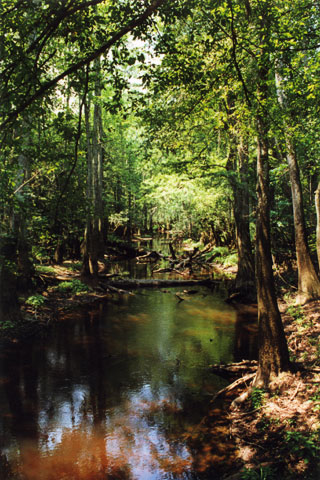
{"type": "Point", "coordinates": [116, 391]}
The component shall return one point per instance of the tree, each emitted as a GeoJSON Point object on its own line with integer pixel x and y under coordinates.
{"type": "Point", "coordinates": [93, 248]}
{"type": "Point", "coordinates": [317, 204]}
{"type": "Point", "coordinates": [248, 62]}
{"type": "Point", "coordinates": [308, 281]}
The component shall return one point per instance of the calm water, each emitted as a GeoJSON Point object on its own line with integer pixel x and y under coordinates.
{"type": "Point", "coordinates": [116, 392]}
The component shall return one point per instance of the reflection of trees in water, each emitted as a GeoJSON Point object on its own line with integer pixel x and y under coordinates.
{"type": "Point", "coordinates": [78, 456]}
{"type": "Point", "coordinates": [97, 389]}
{"type": "Point", "coordinates": [21, 368]}
{"type": "Point", "coordinates": [246, 334]}
{"type": "Point", "coordinates": [5, 468]}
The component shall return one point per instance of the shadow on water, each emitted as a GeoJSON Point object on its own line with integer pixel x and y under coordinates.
{"type": "Point", "coordinates": [119, 391]}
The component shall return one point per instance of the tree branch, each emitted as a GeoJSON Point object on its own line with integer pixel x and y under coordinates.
{"type": "Point", "coordinates": [86, 61]}
{"type": "Point", "coordinates": [234, 55]}
{"type": "Point", "coordinates": [76, 145]}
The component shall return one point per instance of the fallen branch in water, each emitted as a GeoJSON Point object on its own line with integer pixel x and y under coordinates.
{"type": "Point", "coordinates": [119, 290]}
{"type": "Point", "coordinates": [234, 369]}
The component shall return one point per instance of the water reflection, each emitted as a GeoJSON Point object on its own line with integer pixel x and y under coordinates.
{"type": "Point", "coordinates": [116, 392]}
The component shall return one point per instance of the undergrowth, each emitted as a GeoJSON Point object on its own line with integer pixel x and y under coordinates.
{"type": "Point", "coordinates": [73, 286]}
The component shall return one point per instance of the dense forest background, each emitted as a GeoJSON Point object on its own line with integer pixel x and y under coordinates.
{"type": "Point", "coordinates": [196, 118]}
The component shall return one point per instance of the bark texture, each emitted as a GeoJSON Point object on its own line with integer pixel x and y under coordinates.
{"type": "Point", "coordinates": [273, 350]}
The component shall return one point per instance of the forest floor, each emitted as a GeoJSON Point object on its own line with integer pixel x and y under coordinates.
{"type": "Point", "coordinates": [276, 433]}
{"type": "Point", "coordinates": [272, 434]}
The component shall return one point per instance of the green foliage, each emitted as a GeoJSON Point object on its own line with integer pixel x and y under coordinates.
{"type": "Point", "coordinates": [263, 473]}
{"type": "Point", "coordinates": [36, 300]}
{"type": "Point", "coordinates": [296, 313]}
{"type": "Point", "coordinates": [73, 286]}
{"type": "Point", "coordinates": [44, 269]}
{"type": "Point", "coordinates": [304, 446]}
{"type": "Point", "coordinates": [74, 266]}
{"type": "Point", "coordinates": [223, 256]}
{"type": "Point", "coordinates": [6, 325]}
{"type": "Point", "coordinates": [257, 396]}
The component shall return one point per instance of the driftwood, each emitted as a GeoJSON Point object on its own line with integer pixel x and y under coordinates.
{"type": "Point", "coordinates": [150, 257]}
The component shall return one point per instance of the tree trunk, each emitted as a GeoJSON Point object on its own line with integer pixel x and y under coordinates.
{"type": "Point", "coordinates": [317, 203]}
{"type": "Point", "coordinates": [19, 224]}
{"type": "Point", "coordinates": [308, 281]}
{"type": "Point", "coordinates": [244, 286]}
{"type": "Point", "coordinates": [273, 350]}
{"type": "Point", "coordinates": [9, 307]}
{"type": "Point", "coordinates": [245, 281]}
{"type": "Point", "coordinates": [93, 247]}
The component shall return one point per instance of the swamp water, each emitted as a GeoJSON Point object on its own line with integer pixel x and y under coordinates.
{"type": "Point", "coordinates": [117, 391]}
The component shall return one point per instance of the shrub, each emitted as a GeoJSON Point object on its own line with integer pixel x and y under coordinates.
{"type": "Point", "coordinates": [73, 286]}
{"type": "Point", "coordinates": [35, 300]}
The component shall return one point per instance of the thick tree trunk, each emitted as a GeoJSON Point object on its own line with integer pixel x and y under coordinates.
{"type": "Point", "coordinates": [308, 281]}
{"type": "Point", "coordinates": [273, 350]}
{"type": "Point", "coordinates": [317, 203]}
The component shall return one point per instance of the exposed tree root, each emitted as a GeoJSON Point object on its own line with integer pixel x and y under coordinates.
{"type": "Point", "coordinates": [234, 369]}
{"type": "Point", "coordinates": [235, 384]}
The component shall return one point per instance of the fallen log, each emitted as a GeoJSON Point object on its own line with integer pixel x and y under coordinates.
{"type": "Point", "coordinates": [146, 283]}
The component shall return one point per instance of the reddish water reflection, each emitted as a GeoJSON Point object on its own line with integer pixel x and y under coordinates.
{"type": "Point", "coordinates": [120, 392]}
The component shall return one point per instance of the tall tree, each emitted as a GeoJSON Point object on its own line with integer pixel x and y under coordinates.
{"type": "Point", "coordinates": [93, 248]}
{"type": "Point", "coordinates": [317, 204]}
{"type": "Point", "coordinates": [308, 281]}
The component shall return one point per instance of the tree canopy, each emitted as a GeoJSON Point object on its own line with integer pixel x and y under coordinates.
{"type": "Point", "coordinates": [193, 117]}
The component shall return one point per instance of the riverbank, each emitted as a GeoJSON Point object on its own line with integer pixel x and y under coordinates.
{"type": "Point", "coordinates": [273, 434]}
{"type": "Point", "coordinates": [276, 433]}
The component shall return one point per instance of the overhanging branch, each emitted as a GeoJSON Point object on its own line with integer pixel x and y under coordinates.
{"type": "Point", "coordinates": [86, 61]}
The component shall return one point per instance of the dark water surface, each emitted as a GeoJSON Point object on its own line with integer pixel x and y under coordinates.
{"type": "Point", "coordinates": [115, 391]}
